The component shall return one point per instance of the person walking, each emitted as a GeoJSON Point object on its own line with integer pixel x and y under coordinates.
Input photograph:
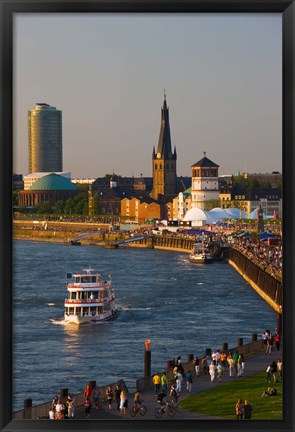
{"type": "Point", "coordinates": [231, 366]}
{"type": "Point", "coordinates": [164, 382]}
{"type": "Point", "coordinates": [212, 370]}
{"type": "Point", "coordinates": [277, 341]}
{"type": "Point", "coordinates": [87, 407]}
{"type": "Point", "coordinates": [269, 344]}
{"type": "Point", "coordinates": [197, 366]}
{"type": "Point", "coordinates": [219, 370]}
{"type": "Point", "coordinates": [96, 397]}
{"type": "Point", "coordinates": [123, 398]}
{"type": "Point", "coordinates": [204, 365]}
{"type": "Point", "coordinates": [87, 391]}
{"type": "Point", "coordinates": [280, 368]}
{"type": "Point", "coordinates": [247, 410]}
{"type": "Point", "coordinates": [239, 366]}
{"type": "Point", "coordinates": [179, 379]}
{"type": "Point", "coordinates": [117, 396]}
{"type": "Point", "coordinates": [157, 383]}
{"type": "Point", "coordinates": [189, 381]}
{"type": "Point", "coordinates": [109, 395]}
{"type": "Point", "coordinates": [240, 409]}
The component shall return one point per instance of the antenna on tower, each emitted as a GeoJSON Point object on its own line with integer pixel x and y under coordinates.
{"type": "Point", "coordinates": [204, 153]}
{"type": "Point", "coordinates": [164, 94]}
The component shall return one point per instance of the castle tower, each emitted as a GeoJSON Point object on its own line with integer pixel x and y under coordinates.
{"type": "Point", "coordinates": [164, 161]}
{"type": "Point", "coordinates": [205, 185]}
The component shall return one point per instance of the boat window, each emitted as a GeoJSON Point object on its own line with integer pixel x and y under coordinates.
{"type": "Point", "coordinates": [77, 279]}
{"type": "Point", "coordinates": [85, 279]}
{"type": "Point", "coordinates": [93, 279]}
{"type": "Point", "coordinates": [73, 296]}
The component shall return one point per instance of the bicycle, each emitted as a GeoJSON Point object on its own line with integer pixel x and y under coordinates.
{"type": "Point", "coordinates": [138, 409]}
{"type": "Point", "coordinates": [168, 408]}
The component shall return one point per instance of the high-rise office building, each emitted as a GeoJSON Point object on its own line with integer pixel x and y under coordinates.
{"type": "Point", "coordinates": [45, 139]}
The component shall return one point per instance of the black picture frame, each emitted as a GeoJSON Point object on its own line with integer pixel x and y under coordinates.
{"type": "Point", "coordinates": [8, 9]}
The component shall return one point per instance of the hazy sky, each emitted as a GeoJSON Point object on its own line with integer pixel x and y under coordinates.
{"type": "Point", "coordinates": [107, 74]}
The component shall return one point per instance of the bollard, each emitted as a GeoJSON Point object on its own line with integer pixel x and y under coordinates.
{"type": "Point", "coordinates": [240, 342]}
{"type": "Point", "coordinates": [28, 409]}
{"type": "Point", "coordinates": [147, 363]}
{"type": "Point", "coordinates": [63, 392]}
{"type": "Point", "coordinates": [92, 384]}
{"type": "Point", "coordinates": [254, 337]}
{"type": "Point", "coordinates": [190, 357]}
{"type": "Point", "coordinates": [224, 347]}
{"type": "Point", "coordinates": [208, 351]}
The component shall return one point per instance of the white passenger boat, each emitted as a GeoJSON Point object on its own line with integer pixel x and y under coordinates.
{"type": "Point", "coordinates": [200, 254]}
{"type": "Point", "coordinates": [91, 299]}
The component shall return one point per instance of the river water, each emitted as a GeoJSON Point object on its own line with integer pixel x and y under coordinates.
{"type": "Point", "coordinates": [181, 307]}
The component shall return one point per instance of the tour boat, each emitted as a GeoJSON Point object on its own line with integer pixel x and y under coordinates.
{"type": "Point", "coordinates": [91, 299]}
{"type": "Point", "coordinates": [200, 254]}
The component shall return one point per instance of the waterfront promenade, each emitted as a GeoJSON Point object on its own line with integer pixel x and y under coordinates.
{"type": "Point", "coordinates": [254, 364]}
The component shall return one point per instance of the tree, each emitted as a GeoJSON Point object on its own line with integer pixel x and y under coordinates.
{"type": "Point", "coordinates": [44, 208]}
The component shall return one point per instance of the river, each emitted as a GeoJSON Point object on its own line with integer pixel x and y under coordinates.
{"type": "Point", "coordinates": [181, 307]}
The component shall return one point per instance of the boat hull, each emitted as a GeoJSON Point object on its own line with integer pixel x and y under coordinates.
{"type": "Point", "coordinates": [89, 319]}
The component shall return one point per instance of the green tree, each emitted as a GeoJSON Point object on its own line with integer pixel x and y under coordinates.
{"type": "Point", "coordinates": [44, 208]}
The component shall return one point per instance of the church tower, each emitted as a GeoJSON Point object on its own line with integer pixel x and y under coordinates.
{"type": "Point", "coordinates": [164, 161]}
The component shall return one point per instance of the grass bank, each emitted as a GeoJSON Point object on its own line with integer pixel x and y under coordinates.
{"type": "Point", "coordinates": [221, 400]}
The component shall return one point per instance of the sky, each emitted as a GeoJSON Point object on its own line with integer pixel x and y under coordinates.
{"type": "Point", "coordinates": [222, 74]}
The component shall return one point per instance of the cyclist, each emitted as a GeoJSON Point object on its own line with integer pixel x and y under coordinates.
{"type": "Point", "coordinates": [137, 399]}
{"type": "Point", "coordinates": [161, 401]}
{"type": "Point", "coordinates": [173, 395]}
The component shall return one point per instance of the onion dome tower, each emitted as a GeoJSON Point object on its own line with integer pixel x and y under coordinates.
{"type": "Point", "coordinates": [164, 161]}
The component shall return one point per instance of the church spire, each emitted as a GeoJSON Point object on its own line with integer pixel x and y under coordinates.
{"type": "Point", "coordinates": [164, 143]}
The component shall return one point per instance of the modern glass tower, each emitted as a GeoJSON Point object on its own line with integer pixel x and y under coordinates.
{"type": "Point", "coordinates": [45, 139]}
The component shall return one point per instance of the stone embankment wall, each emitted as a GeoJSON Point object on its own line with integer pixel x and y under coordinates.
{"type": "Point", "coordinates": [268, 286]}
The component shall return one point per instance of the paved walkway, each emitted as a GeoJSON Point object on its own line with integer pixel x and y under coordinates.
{"type": "Point", "coordinates": [253, 364]}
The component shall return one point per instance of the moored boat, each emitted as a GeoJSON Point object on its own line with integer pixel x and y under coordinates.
{"type": "Point", "coordinates": [91, 299]}
{"type": "Point", "coordinates": [201, 254]}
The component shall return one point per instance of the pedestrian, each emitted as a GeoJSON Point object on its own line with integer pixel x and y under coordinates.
{"type": "Point", "coordinates": [173, 393]}
{"type": "Point", "coordinates": [123, 397]}
{"type": "Point", "coordinates": [235, 357]}
{"type": "Point", "coordinates": [117, 396]}
{"type": "Point", "coordinates": [269, 344]}
{"type": "Point", "coordinates": [277, 341]}
{"type": "Point", "coordinates": [212, 370]}
{"type": "Point", "coordinates": [274, 371]}
{"type": "Point", "coordinates": [179, 379]}
{"type": "Point", "coordinates": [231, 366]}
{"type": "Point", "coordinates": [265, 337]}
{"type": "Point", "coordinates": [247, 410]}
{"type": "Point", "coordinates": [109, 395]}
{"type": "Point", "coordinates": [87, 391]}
{"type": "Point", "coordinates": [157, 383]}
{"type": "Point", "coordinates": [204, 365]}
{"type": "Point", "coordinates": [58, 408]}
{"type": "Point", "coordinates": [71, 409]}
{"type": "Point", "coordinates": [239, 366]}
{"type": "Point", "coordinates": [240, 410]}
{"type": "Point", "coordinates": [197, 366]}
{"type": "Point", "coordinates": [189, 381]}
{"type": "Point", "coordinates": [280, 368]}
{"type": "Point", "coordinates": [268, 373]}
{"type": "Point", "coordinates": [52, 412]}
{"type": "Point", "coordinates": [164, 381]}
{"type": "Point", "coordinates": [219, 369]}
{"type": "Point", "coordinates": [96, 397]}
{"type": "Point", "coordinates": [64, 411]}
{"type": "Point", "coordinates": [87, 407]}
{"type": "Point", "coordinates": [223, 359]}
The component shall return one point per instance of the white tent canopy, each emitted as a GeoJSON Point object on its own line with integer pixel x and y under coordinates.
{"type": "Point", "coordinates": [212, 216]}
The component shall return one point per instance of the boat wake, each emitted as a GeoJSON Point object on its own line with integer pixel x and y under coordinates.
{"type": "Point", "coordinates": [58, 322]}
{"type": "Point", "coordinates": [125, 308]}
{"type": "Point", "coordinates": [50, 304]}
